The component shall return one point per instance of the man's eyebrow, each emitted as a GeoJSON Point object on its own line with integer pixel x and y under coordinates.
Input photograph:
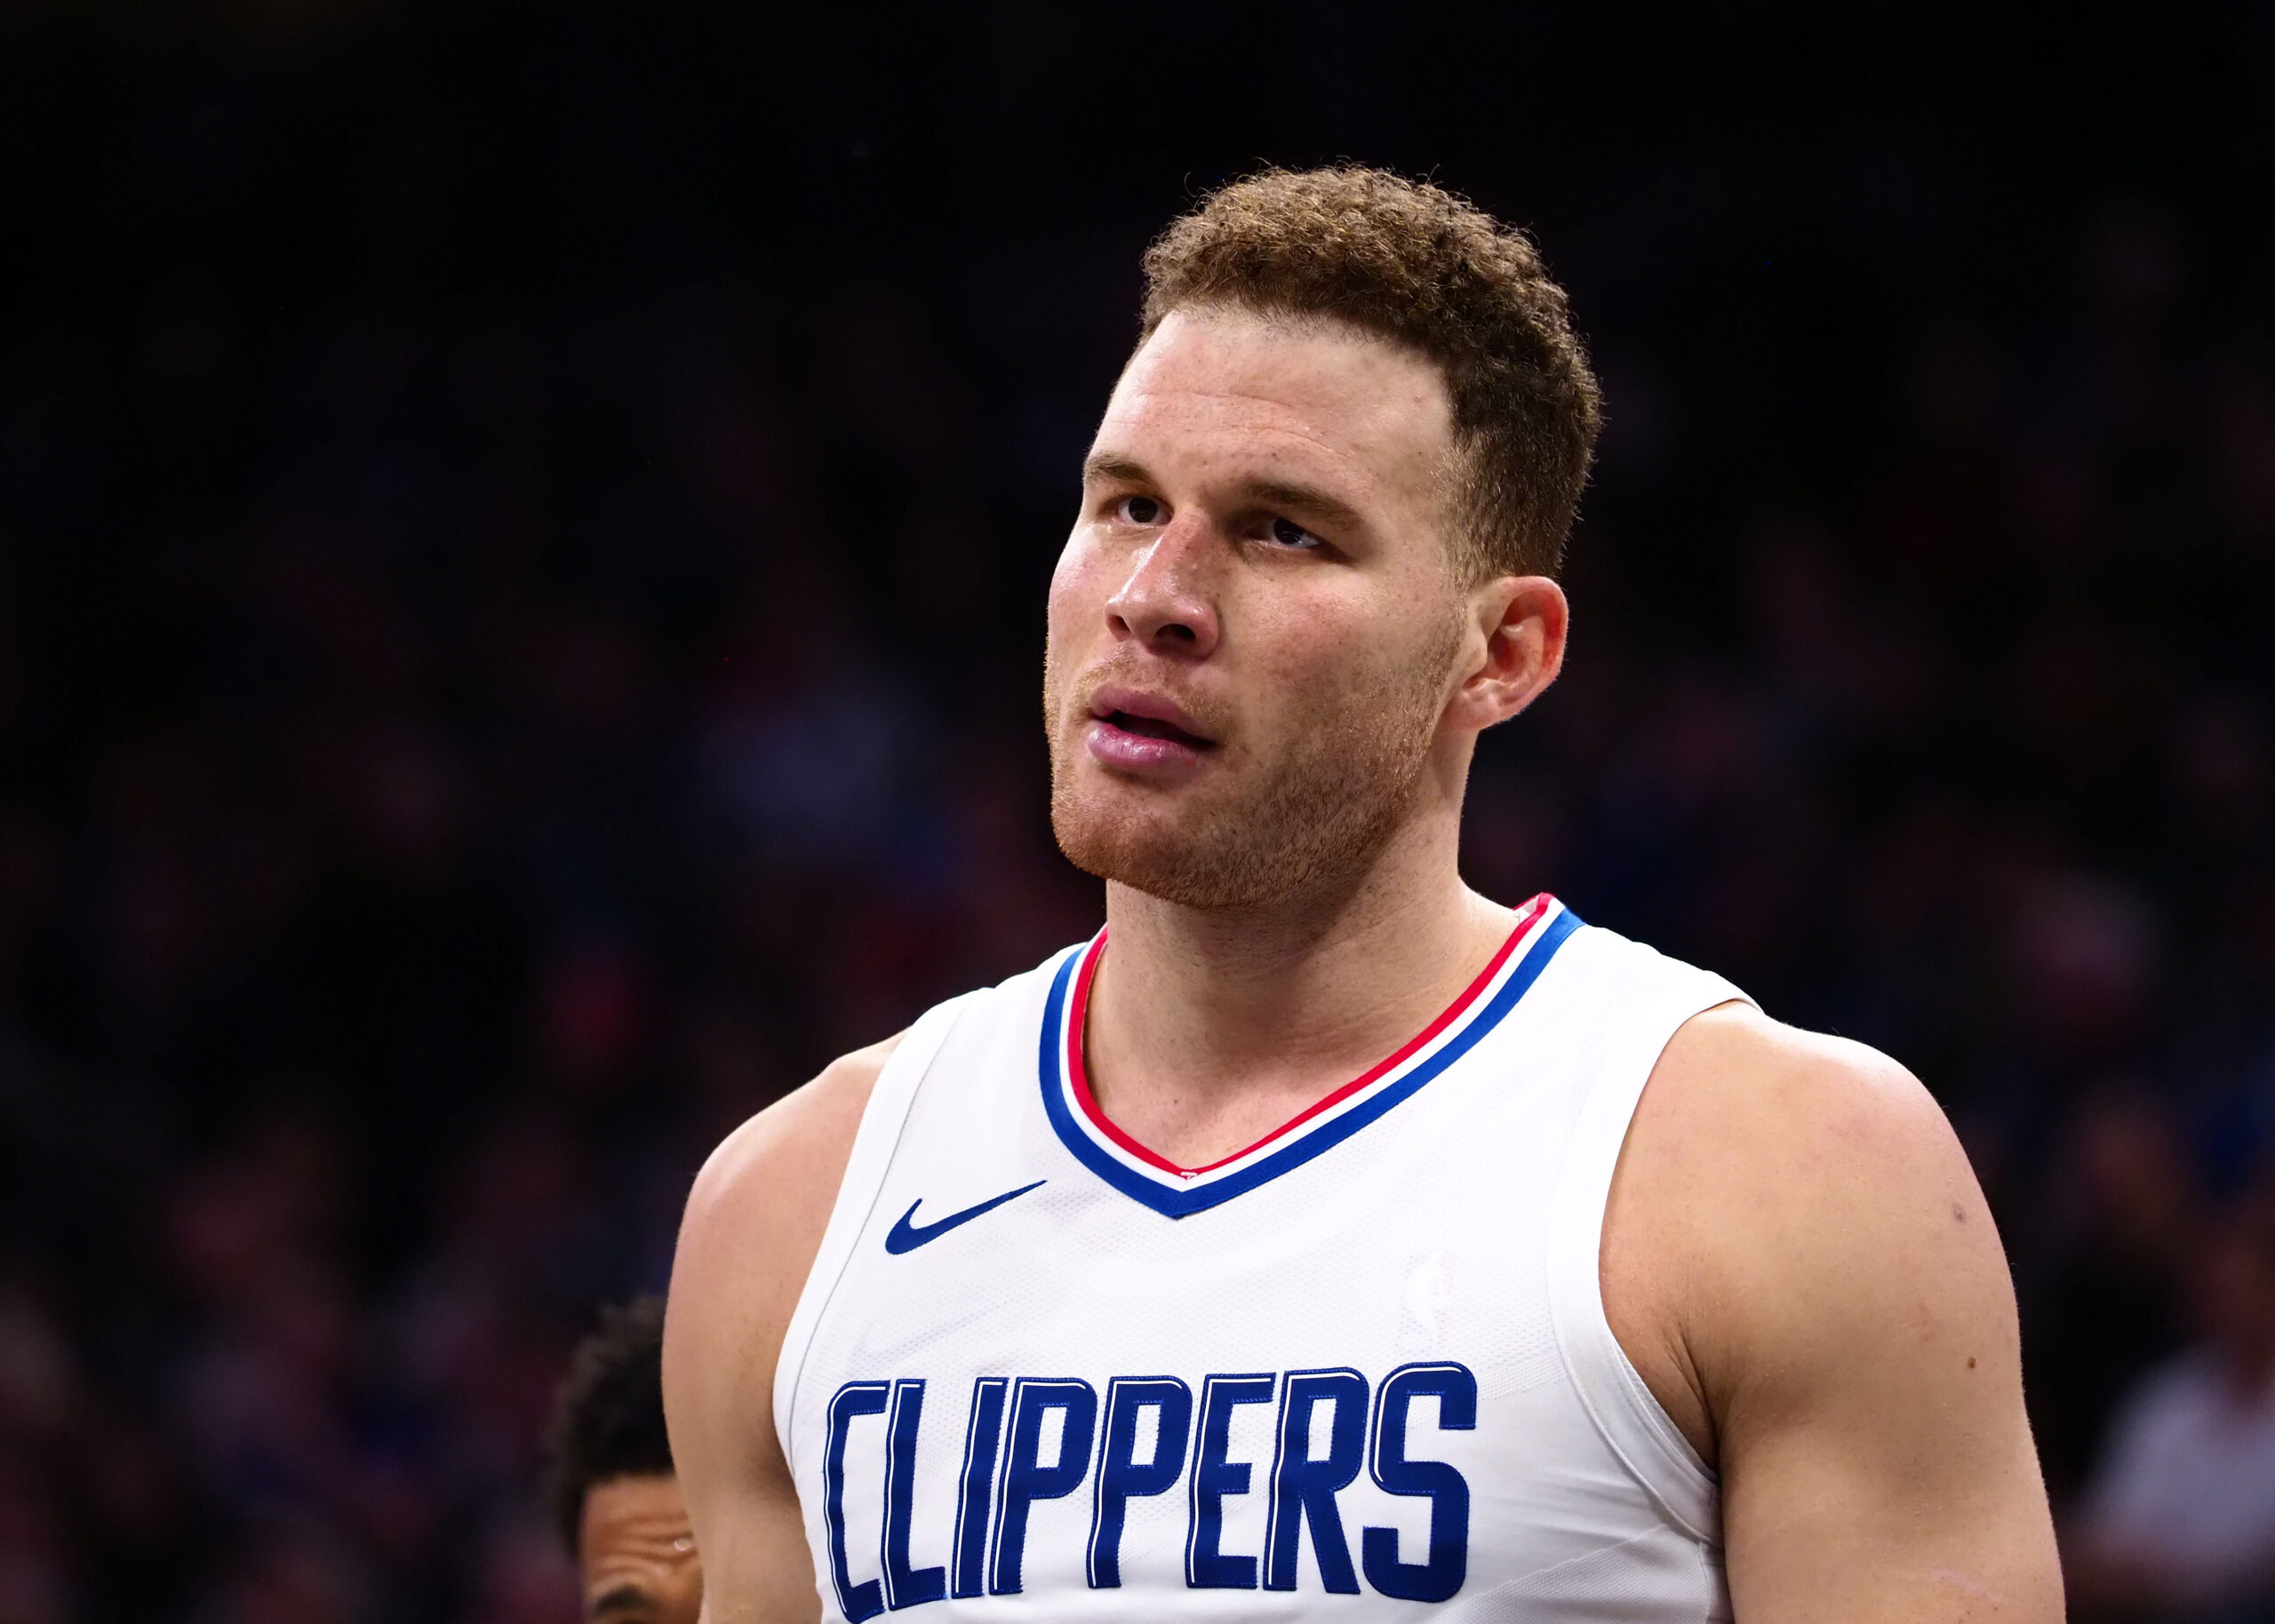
{"type": "Point", "coordinates": [623, 1598]}
{"type": "Point", "coordinates": [1114, 468]}
{"type": "Point", "coordinates": [1306, 501]}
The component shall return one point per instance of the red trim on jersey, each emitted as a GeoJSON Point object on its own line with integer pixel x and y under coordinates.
{"type": "Point", "coordinates": [1078, 1019]}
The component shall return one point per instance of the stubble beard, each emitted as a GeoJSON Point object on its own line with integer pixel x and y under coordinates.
{"type": "Point", "coordinates": [1316, 819]}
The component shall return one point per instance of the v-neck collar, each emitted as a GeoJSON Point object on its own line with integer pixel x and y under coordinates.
{"type": "Point", "coordinates": [1542, 926]}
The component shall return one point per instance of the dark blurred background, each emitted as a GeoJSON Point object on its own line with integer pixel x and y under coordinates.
{"type": "Point", "coordinates": [523, 534]}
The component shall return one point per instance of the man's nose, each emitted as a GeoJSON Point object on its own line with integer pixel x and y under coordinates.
{"type": "Point", "coordinates": [1166, 604]}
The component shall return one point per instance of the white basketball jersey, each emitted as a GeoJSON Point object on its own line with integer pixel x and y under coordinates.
{"type": "Point", "coordinates": [1359, 1371]}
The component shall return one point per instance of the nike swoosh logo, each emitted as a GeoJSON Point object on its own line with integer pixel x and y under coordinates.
{"type": "Point", "coordinates": [906, 1237]}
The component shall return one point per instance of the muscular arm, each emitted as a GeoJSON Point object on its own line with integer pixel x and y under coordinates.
{"type": "Point", "coordinates": [754, 1223]}
{"type": "Point", "coordinates": [1799, 1262]}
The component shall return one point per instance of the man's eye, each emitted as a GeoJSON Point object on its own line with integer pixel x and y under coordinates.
{"type": "Point", "coordinates": [1138, 510]}
{"type": "Point", "coordinates": [1288, 533]}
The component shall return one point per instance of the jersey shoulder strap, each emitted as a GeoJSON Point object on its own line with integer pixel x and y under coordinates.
{"type": "Point", "coordinates": [1652, 996]}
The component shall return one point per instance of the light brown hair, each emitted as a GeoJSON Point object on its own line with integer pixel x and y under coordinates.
{"type": "Point", "coordinates": [1423, 268]}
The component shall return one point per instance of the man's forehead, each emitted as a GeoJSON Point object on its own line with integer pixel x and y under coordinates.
{"type": "Point", "coordinates": [633, 1514]}
{"type": "Point", "coordinates": [1298, 389]}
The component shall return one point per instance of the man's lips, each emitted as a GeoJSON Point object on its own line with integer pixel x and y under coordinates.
{"type": "Point", "coordinates": [1148, 715]}
{"type": "Point", "coordinates": [1143, 733]}
{"type": "Point", "coordinates": [1148, 727]}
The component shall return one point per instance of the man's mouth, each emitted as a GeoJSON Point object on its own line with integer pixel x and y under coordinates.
{"type": "Point", "coordinates": [1145, 734]}
{"type": "Point", "coordinates": [1151, 726]}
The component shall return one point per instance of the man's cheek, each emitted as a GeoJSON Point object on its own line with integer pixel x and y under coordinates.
{"type": "Point", "coordinates": [1081, 581]}
{"type": "Point", "coordinates": [1314, 674]}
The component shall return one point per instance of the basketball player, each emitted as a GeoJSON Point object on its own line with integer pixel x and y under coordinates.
{"type": "Point", "coordinates": [608, 1478]}
{"type": "Point", "coordinates": [1323, 1240]}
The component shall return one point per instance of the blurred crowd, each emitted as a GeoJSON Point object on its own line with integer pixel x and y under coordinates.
{"type": "Point", "coordinates": [477, 728]}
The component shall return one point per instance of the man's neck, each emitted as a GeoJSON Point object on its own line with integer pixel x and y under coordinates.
{"type": "Point", "coordinates": [1208, 1029]}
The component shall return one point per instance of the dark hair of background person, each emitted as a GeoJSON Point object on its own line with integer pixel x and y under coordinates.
{"type": "Point", "coordinates": [1415, 264]}
{"type": "Point", "coordinates": [608, 1419]}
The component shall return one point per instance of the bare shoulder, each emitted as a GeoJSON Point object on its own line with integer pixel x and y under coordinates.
{"type": "Point", "coordinates": [1799, 1261]}
{"type": "Point", "coordinates": [1795, 1114]}
{"type": "Point", "coordinates": [799, 1142]}
{"type": "Point", "coordinates": [754, 1221]}
{"type": "Point", "coordinates": [1782, 1195]}
{"type": "Point", "coordinates": [765, 1194]}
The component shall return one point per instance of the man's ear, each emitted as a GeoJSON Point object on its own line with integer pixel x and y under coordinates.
{"type": "Point", "coordinates": [1516, 646]}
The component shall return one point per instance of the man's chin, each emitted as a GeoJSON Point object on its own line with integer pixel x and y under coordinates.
{"type": "Point", "coordinates": [1159, 856]}
{"type": "Point", "coordinates": [1202, 846]}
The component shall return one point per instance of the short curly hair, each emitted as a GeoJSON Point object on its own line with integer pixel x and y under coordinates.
{"type": "Point", "coordinates": [608, 1418]}
{"type": "Point", "coordinates": [1428, 270]}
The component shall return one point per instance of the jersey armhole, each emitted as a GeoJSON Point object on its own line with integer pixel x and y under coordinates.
{"type": "Point", "coordinates": [1628, 1417]}
{"type": "Point", "coordinates": [876, 1139]}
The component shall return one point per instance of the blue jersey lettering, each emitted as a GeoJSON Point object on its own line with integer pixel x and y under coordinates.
{"type": "Point", "coordinates": [1121, 1477]}
{"type": "Point", "coordinates": [1026, 1479]}
{"type": "Point", "coordinates": [1439, 1576]}
{"type": "Point", "coordinates": [1304, 1488]}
